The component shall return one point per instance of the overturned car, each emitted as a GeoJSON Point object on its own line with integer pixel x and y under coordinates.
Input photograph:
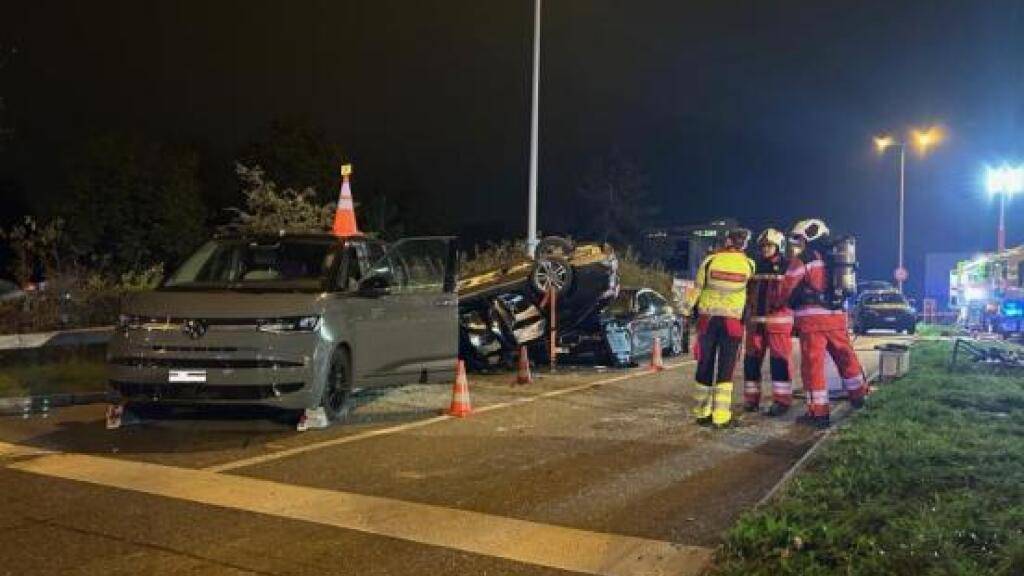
{"type": "Point", "coordinates": [501, 311]}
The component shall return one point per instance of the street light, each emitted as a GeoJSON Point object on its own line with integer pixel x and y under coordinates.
{"type": "Point", "coordinates": [531, 233]}
{"type": "Point", "coordinates": [1003, 181]}
{"type": "Point", "coordinates": [923, 139]}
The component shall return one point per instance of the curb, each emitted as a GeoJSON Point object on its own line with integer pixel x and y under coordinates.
{"type": "Point", "coordinates": [842, 413]}
{"type": "Point", "coordinates": [25, 405]}
{"type": "Point", "coordinates": [71, 337]}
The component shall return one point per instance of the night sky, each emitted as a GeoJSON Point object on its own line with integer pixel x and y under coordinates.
{"type": "Point", "coordinates": [759, 110]}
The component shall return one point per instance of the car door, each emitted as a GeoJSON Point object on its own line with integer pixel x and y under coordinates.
{"type": "Point", "coordinates": [663, 318]}
{"type": "Point", "coordinates": [411, 329]}
{"type": "Point", "coordinates": [643, 326]}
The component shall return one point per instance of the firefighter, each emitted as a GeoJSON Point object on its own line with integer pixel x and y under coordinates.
{"type": "Point", "coordinates": [721, 297]}
{"type": "Point", "coordinates": [820, 322]}
{"type": "Point", "coordinates": [769, 328]}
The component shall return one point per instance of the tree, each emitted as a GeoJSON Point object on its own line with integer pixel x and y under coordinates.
{"type": "Point", "coordinates": [133, 204]}
{"type": "Point", "coordinates": [36, 247]}
{"type": "Point", "coordinates": [613, 201]}
{"type": "Point", "coordinates": [296, 156]}
{"type": "Point", "coordinates": [269, 210]}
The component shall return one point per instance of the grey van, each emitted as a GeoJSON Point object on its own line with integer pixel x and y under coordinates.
{"type": "Point", "coordinates": [292, 321]}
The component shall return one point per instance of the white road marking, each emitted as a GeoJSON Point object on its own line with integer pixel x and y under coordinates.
{"type": "Point", "coordinates": [18, 450]}
{"type": "Point", "coordinates": [496, 536]}
{"type": "Point", "coordinates": [245, 462]}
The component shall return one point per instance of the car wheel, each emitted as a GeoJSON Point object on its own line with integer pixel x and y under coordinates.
{"type": "Point", "coordinates": [553, 247]}
{"type": "Point", "coordinates": [675, 340]}
{"type": "Point", "coordinates": [552, 273]}
{"type": "Point", "coordinates": [911, 329]}
{"type": "Point", "coordinates": [336, 399]}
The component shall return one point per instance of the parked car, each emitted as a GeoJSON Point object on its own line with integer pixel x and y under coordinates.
{"type": "Point", "coordinates": [874, 286]}
{"type": "Point", "coordinates": [293, 321]}
{"type": "Point", "coordinates": [502, 310]}
{"type": "Point", "coordinates": [883, 309]}
{"type": "Point", "coordinates": [640, 315]}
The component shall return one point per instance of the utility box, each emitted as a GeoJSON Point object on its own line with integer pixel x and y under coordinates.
{"type": "Point", "coordinates": [893, 361]}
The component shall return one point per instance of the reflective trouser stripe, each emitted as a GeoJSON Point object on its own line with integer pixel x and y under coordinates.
{"type": "Point", "coordinates": [722, 411]}
{"type": "Point", "coordinates": [702, 395]}
{"type": "Point", "coordinates": [818, 405]}
{"type": "Point", "coordinates": [782, 392]}
{"type": "Point", "coordinates": [854, 387]}
{"type": "Point", "coordinates": [751, 392]}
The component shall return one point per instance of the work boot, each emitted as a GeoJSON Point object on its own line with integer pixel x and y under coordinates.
{"type": "Point", "coordinates": [750, 406]}
{"type": "Point", "coordinates": [819, 422]}
{"type": "Point", "coordinates": [732, 423]}
{"type": "Point", "coordinates": [705, 421]}
{"type": "Point", "coordinates": [857, 403]}
{"type": "Point", "coordinates": [776, 409]}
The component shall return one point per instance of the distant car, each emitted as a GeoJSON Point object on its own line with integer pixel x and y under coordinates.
{"type": "Point", "coordinates": [883, 310]}
{"type": "Point", "coordinates": [9, 291]}
{"type": "Point", "coordinates": [874, 286]}
{"type": "Point", "coordinates": [292, 321]}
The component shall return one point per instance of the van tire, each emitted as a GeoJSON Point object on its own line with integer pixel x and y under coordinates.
{"type": "Point", "coordinates": [336, 398]}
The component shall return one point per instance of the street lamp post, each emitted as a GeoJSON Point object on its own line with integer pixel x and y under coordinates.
{"type": "Point", "coordinates": [1004, 181]}
{"type": "Point", "coordinates": [923, 139]}
{"type": "Point", "coordinates": [531, 236]}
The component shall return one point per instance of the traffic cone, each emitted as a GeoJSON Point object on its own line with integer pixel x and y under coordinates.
{"type": "Point", "coordinates": [524, 376]}
{"type": "Point", "coordinates": [657, 364]}
{"type": "Point", "coordinates": [345, 215]}
{"type": "Point", "coordinates": [460, 393]}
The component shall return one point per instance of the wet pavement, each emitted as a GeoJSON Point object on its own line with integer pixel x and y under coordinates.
{"type": "Point", "coordinates": [605, 463]}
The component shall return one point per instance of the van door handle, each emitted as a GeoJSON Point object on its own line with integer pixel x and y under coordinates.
{"type": "Point", "coordinates": [446, 301]}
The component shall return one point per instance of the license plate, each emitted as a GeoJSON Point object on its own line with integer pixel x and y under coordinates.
{"type": "Point", "coordinates": [188, 376]}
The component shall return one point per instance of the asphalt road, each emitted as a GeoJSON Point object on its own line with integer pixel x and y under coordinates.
{"type": "Point", "coordinates": [586, 471]}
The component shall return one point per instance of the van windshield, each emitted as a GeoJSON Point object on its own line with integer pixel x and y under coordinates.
{"type": "Point", "coordinates": [279, 264]}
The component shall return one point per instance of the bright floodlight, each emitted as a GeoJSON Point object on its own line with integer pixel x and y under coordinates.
{"type": "Point", "coordinates": [883, 142]}
{"type": "Point", "coordinates": [1004, 180]}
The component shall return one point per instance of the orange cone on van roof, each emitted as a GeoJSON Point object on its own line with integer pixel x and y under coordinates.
{"type": "Point", "coordinates": [345, 215]}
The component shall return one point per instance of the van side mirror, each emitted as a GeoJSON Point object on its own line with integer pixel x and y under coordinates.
{"type": "Point", "coordinates": [376, 284]}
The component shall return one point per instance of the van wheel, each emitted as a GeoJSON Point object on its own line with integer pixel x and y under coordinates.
{"type": "Point", "coordinates": [336, 399]}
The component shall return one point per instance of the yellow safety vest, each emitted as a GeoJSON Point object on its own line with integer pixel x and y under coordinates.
{"type": "Point", "coordinates": [722, 283]}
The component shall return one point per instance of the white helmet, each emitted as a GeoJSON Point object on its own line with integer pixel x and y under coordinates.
{"type": "Point", "coordinates": [773, 237]}
{"type": "Point", "coordinates": [809, 230]}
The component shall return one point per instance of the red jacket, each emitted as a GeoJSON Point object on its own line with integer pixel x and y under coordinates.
{"type": "Point", "coordinates": [807, 277]}
{"type": "Point", "coordinates": [765, 306]}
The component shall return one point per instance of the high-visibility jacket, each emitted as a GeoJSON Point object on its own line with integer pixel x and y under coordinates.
{"type": "Point", "coordinates": [722, 283]}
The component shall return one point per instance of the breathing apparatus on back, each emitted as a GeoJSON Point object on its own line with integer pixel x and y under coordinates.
{"type": "Point", "coordinates": [839, 255]}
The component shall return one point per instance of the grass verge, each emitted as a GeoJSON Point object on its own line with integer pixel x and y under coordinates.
{"type": "Point", "coordinates": [928, 480]}
{"type": "Point", "coordinates": [53, 370]}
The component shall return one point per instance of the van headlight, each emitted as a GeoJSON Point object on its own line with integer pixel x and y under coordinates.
{"type": "Point", "coordinates": [295, 324]}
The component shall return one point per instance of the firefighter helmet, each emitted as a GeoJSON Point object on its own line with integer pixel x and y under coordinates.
{"type": "Point", "coordinates": [773, 237]}
{"type": "Point", "coordinates": [808, 231]}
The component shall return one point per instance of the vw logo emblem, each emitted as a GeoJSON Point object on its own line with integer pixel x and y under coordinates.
{"type": "Point", "coordinates": [195, 329]}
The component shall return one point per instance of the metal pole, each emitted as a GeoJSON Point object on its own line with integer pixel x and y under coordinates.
{"type": "Point", "coordinates": [903, 148]}
{"type": "Point", "coordinates": [1001, 235]}
{"type": "Point", "coordinates": [531, 237]}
